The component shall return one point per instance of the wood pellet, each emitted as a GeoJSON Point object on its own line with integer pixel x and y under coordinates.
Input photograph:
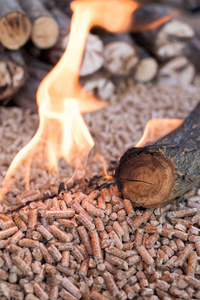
{"type": "Point", "coordinates": [68, 251]}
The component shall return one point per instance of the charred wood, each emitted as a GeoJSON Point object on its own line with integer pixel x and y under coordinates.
{"type": "Point", "coordinates": [153, 175]}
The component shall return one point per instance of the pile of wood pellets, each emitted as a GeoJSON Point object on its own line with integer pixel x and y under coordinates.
{"type": "Point", "coordinates": [97, 246]}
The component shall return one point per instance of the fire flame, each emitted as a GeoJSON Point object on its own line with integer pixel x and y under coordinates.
{"type": "Point", "coordinates": [62, 132]}
{"type": "Point", "coordinates": [156, 128]}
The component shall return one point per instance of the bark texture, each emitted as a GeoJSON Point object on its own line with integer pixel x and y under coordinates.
{"type": "Point", "coordinates": [154, 174]}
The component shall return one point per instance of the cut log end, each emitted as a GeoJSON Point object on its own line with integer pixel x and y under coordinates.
{"type": "Point", "coordinates": [146, 70]}
{"type": "Point", "coordinates": [12, 77]}
{"type": "Point", "coordinates": [179, 70]}
{"type": "Point", "coordinates": [120, 58]}
{"type": "Point", "coordinates": [165, 170]}
{"type": "Point", "coordinates": [93, 56]}
{"type": "Point", "coordinates": [15, 29]}
{"type": "Point", "coordinates": [45, 32]}
{"type": "Point", "coordinates": [172, 39]}
{"type": "Point", "coordinates": [146, 178]}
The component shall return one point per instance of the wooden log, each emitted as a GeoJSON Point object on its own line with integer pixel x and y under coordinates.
{"type": "Point", "coordinates": [165, 41]}
{"type": "Point", "coordinates": [153, 175]}
{"type": "Point", "coordinates": [15, 26]}
{"type": "Point", "coordinates": [98, 84]}
{"type": "Point", "coordinates": [53, 54]}
{"type": "Point", "coordinates": [192, 51]}
{"type": "Point", "coordinates": [36, 70]}
{"type": "Point", "coordinates": [13, 74]}
{"type": "Point", "coordinates": [120, 54]}
{"type": "Point", "coordinates": [177, 71]}
{"type": "Point", "coordinates": [44, 27]}
{"type": "Point", "coordinates": [147, 67]}
{"type": "Point", "coordinates": [146, 70]}
{"type": "Point", "coordinates": [93, 55]}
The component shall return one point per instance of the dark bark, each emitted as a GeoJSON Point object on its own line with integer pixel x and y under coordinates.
{"type": "Point", "coordinates": [165, 170]}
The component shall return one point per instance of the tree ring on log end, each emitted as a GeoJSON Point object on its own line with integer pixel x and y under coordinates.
{"type": "Point", "coordinates": [45, 32]}
{"type": "Point", "coordinates": [15, 30]}
{"type": "Point", "coordinates": [146, 178]}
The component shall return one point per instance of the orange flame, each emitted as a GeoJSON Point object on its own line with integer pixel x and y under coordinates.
{"type": "Point", "coordinates": [62, 132]}
{"type": "Point", "coordinates": [156, 128]}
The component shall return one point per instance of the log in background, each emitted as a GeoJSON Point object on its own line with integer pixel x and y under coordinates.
{"type": "Point", "coordinates": [140, 64]}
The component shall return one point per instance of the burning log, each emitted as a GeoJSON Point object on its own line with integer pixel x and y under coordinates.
{"type": "Point", "coordinates": [120, 54]}
{"type": "Point", "coordinates": [44, 27]}
{"type": "Point", "coordinates": [164, 41]}
{"type": "Point", "coordinates": [152, 175]}
{"type": "Point", "coordinates": [13, 73]}
{"type": "Point", "coordinates": [178, 70]}
{"type": "Point", "coordinates": [15, 26]}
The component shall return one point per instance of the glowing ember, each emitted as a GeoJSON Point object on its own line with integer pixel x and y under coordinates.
{"type": "Point", "coordinates": [156, 128]}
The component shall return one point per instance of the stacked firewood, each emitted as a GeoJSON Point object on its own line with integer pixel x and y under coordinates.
{"type": "Point", "coordinates": [34, 35]}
